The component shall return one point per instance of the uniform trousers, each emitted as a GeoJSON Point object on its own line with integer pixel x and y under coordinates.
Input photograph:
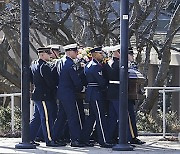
{"type": "Point", "coordinates": [54, 116]}
{"type": "Point", "coordinates": [112, 120]}
{"type": "Point", "coordinates": [65, 134]}
{"type": "Point", "coordinates": [96, 114]}
{"type": "Point", "coordinates": [68, 111]}
{"type": "Point", "coordinates": [132, 128]}
{"type": "Point", "coordinates": [114, 116]}
{"type": "Point", "coordinates": [42, 117]}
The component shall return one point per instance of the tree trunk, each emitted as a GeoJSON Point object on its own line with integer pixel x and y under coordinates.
{"type": "Point", "coordinates": [166, 58]}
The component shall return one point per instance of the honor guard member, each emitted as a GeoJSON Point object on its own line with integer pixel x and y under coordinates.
{"type": "Point", "coordinates": [69, 84]}
{"type": "Point", "coordinates": [132, 129]}
{"type": "Point", "coordinates": [57, 53]}
{"type": "Point", "coordinates": [111, 73]}
{"type": "Point", "coordinates": [43, 96]}
{"type": "Point", "coordinates": [94, 96]}
{"type": "Point", "coordinates": [56, 50]}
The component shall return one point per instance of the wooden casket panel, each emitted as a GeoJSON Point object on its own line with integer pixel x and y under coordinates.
{"type": "Point", "coordinates": [136, 89]}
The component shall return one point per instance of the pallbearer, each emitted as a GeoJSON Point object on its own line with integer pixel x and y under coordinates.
{"type": "Point", "coordinates": [69, 84]}
{"type": "Point", "coordinates": [111, 73]}
{"type": "Point", "coordinates": [133, 73]}
{"type": "Point", "coordinates": [43, 96]}
{"type": "Point", "coordinates": [94, 95]}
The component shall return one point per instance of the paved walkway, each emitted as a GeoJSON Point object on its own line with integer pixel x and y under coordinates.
{"type": "Point", "coordinates": [152, 146]}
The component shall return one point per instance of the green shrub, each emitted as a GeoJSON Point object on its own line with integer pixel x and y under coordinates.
{"type": "Point", "coordinates": [147, 124]}
{"type": "Point", "coordinates": [172, 122]}
{"type": "Point", "coordinates": [5, 120]}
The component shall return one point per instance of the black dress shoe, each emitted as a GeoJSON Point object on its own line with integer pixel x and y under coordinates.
{"type": "Point", "coordinates": [38, 139]}
{"type": "Point", "coordinates": [106, 145]}
{"type": "Point", "coordinates": [66, 140]}
{"type": "Point", "coordinates": [34, 143]}
{"type": "Point", "coordinates": [51, 144]}
{"type": "Point", "coordinates": [76, 144]}
{"type": "Point", "coordinates": [137, 141]}
{"type": "Point", "coordinates": [92, 141]}
{"type": "Point", "coordinates": [89, 144]}
{"type": "Point", "coordinates": [132, 145]}
{"type": "Point", "coordinates": [60, 143]}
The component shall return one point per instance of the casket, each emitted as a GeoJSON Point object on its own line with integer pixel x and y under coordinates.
{"type": "Point", "coordinates": [136, 89]}
{"type": "Point", "coordinates": [135, 85]}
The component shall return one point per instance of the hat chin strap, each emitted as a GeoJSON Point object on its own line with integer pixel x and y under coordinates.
{"type": "Point", "coordinates": [55, 54]}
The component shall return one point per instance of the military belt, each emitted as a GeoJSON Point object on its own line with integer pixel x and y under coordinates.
{"type": "Point", "coordinates": [93, 84]}
{"type": "Point", "coordinates": [114, 82]}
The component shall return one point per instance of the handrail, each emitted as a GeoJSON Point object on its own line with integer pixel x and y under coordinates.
{"type": "Point", "coordinates": [163, 90]}
{"type": "Point", "coordinates": [12, 107]}
{"type": "Point", "coordinates": [6, 95]}
{"type": "Point", "coordinates": [12, 95]}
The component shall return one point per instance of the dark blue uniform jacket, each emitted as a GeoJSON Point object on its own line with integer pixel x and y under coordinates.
{"type": "Point", "coordinates": [69, 81]}
{"type": "Point", "coordinates": [93, 72]}
{"type": "Point", "coordinates": [41, 77]}
{"type": "Point", "coordinates": [111, 72]}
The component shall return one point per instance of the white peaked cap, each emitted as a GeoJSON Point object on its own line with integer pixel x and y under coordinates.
{"type": "Point", "coordinates": [106, 48]}
{"type": "Point", "coordinates": [71, 46]}
{"type": "Point", "coordinates": [115, 48]}
{"type": "Point", "coordinates": [57, 47]}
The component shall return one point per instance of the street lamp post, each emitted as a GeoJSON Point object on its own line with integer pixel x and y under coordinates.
{"type": "Point", "coordinates": [25, 77]}
{"type": "Point", "coordinates": [123, 88]}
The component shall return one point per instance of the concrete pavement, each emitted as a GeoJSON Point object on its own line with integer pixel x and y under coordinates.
{"type": "Point", "coordinates": [152, 146]}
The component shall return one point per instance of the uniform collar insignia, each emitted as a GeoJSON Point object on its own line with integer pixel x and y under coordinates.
{"type": "Point", "coordinates": [100, 73]}
{"type": "Point", "coordinates": [91, 63]}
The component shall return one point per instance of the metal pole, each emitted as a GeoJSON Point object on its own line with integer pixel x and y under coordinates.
{"type": "Point", "coordinates": [164, 113]}
{"type": "Point", "coordinates": [25, 79]}
{"type": "Point", "coordinates": [12, 113]}
{"type": "Point", "coordinates": [123, 88]}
